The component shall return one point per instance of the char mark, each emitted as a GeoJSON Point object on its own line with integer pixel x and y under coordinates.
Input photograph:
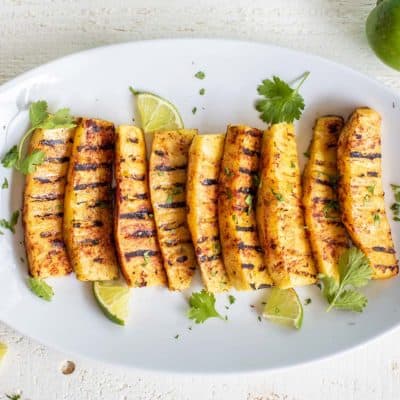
{"type": "Point", "coordinates": [175, 242]}
{"type": "Point", "coordinates": [52, 142]}
{"type": "Point", "coordinates": [91, 166]}
{"type": "Point", "coordinates": [57, 160]}
{"type": "Point", "coordinates": [205, 258]}
{"type": "Point", "coordinates": [254, 133]}
{"type": "Point", "coordinates": [248, 171]}
{"type": "Point", "coordinates": [88, 147]}
{"type": "Point", "coordinates": [247, 266]}
{"type": "Point", "coordinates": [47, 234]}
{"type": "Point", "coordinates": [247, 190]}
{"type": "Point", "coordinates": [323, 182]}
{"type": "Point", "coordinates": [49, 180]}
{"type": "Point", "coordinates": [369, 156]}
{"type": "Point", "coordinates": [133, 140]}
{"type": "Point", "coordinates": [169, 168]}
{"type": "Point", "coordinates": [245, 228]}
{"type": "Point", "coordinates": [176, 204]}
{"type": "Point", "coordinates": [243, 246]}
{"type": "Point", "coordinates": [209, 182]}
{"type": "Point", "coordinates": [143, 233]}
{"type": "Point", "coordinates": [50, 215]}
{"type": "Point", "coordinates": [372, 173]}
{"type": "Point", "coordinates": [171, 226]}
{"type": "Point", "coordinates": [47, 197]}
{"type": "Point", "coordinates": [181, 259]}
{"type": "Point", "coordinates": [263, 286]}
{"type": "Point", "coordinates": [381, 249]}
{"type": "Point", "coordinates": [250, 152]}
{"type": "Point", "coordinates": [143, 214]}
{"type": "Point", "coordinates": [159, 153]}
{"type": "Point", "coordinates": [140, 253]}
{"type": "Point", "coordinates": [89, 242]}
{"type": "Point", "coordinates": [91, 185]}
{"type": "Point", "coordinates": [96, 224]}
{"type": "Point", "coordinates": [58, 243]}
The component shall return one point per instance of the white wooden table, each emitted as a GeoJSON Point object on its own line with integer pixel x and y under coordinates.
{"type": "Point", "coordinates": [33, 32]}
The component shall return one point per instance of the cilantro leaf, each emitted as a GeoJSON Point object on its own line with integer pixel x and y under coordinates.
{"type": "Point", "coordinates": [10, 225]}
{"type": "Point", "coordinates": [38, 112]}
{"type": "Point", "coordinates": [41, 288]}
{"type": "Point", "coordinates": [5, 184]}
{"type": "Point", "coordinates": [202, 307]}
{"type": "Point", "coordinates": [354, 272]}
{"type": "Point", "coordinates": [281, 103]}
{"type": "Point", "coordinates": [29, 163]}
{"type": "Point", "coordinates": [200, 75]}
{"type": "Point", "coordinates": [13, 396]}
{"type": "Point", "coordinates": [231, 299]}
{"type": "Point", "coordinates": [10, 158]}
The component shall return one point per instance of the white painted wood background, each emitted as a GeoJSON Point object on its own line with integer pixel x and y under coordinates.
{"type": "Point", "coordinates": [33, 32]}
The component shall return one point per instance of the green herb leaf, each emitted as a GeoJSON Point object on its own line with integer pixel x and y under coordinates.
{"type": "Point", "coordinates": [30, 162]}
{"type": "Point", "coordinates": [371, 189]}
{"type": "Point", "coordinates": [331, 208]}
{"type": "Point", "coordinates": [202, 307]}
{"type": "Point", "coordinates": [133, 91]}
{"type": "Point", "coordinates": [249, 201]}
{"type": "Point", "coordinates": [395, 207]}
{"type": "Point", "coordinates": [200, 75]}
{"type": "Point", "coordinates": [41, 288]}
{"type": "Point", "coordinates": [281, 103]}
{"type": "Point", "coordinates": [228, 172]}
{"type": "Point", "coordinates": [10, 158]}
{"type": "Point", "coordinates": [5, 184]}
{"type": "Point", "coordinates": [307, 301]}
{"type": "Point", "coordinates": [377, 219]}
{"type": "Point", "coordinates": [278, 196]}
{"type": "Point", "coordinates": [355, 272]}
{"type": "Point", "coordinates": [13, 396]}
{"type": "Point", "coordinates": [194, 109]}
{"type": "Point", "coordinates": [10, 225]}
{"type": "Point", "coordinates": [202, 91]}
{"type": "Point", "coordinates": [231, 299]}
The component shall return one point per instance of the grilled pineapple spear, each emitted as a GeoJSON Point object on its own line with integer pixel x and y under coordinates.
{"type": "Point", "coordinates": [135, 230]}
{"type": "Point", "coordinates": [168, 173]}
{"type": "Point", "coordinates": [360, 191]}
{"type": "Point", "coordinates": [202, 199]}
{"type": "Point", "coordinates": [279, 210]}
{"type": "Point", "coordinates": [243, 256]}
{"type": "Point", "coordinates": [44, 204]}
{"type": "Point", "coordinates": [328, 236]}
{"type": "Point", "coordinates": [88, 202]}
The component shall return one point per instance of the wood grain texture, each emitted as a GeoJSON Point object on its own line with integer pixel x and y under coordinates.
{"type": "Point", "coordinates": [33, 32]}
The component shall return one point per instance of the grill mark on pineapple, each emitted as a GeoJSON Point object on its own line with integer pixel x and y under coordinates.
{"type": "Point", "coordinates": [91, 166]}
{"type": "Point", "coordinates": [140, 253]}
{"type": "Point", "coordinates": [373, 174]}
{"type": "Point", "coordinates": [369, 156]}
{"type": "Point", "coordinates": [89, 242]}
{"type": "Point", "coordinates": [175, 205]}
{"type": "Point", "coordinates": [95, 224]}
{"type": "Point", "coordinates": [245, 228]}
{"type": "Point", "coordinates": [52, 142]}
{"type": "Point", "coordinates": [182, 259]}
{"type": "Point", "coordinates": [323, 182]}
{"type": "Point", "coordinates": [137, 196]}
{"type": "Point", "coordinates": [338, 243]}
{"type": "Point", "coordinates": [209, 182]}
{"type": "Point", "coordinates": [50, 215]}
{"type": "Point", "coordinates": [47, 197]}
{"type": "Point", "coordinates": [91, 185]}
{"type": "Point", "coordinates": [143, 233]}
{"type": "Point", "coordinates": [57, 160]}
{"type": "Point", "coordinates": [181, 185]}
{"type": "Point", "coordinates": [49, 180]}
{"type": "Point", "coordinates": [243, 246]}
{"type": "Point", "coordinates": [142, 214]}
{"type": "Point", "coordinates": [133, 140]}
{"type": "Point", "coordinates": [247, 266]}
{"type": "Point", "coordinates": [205, 238]}
{"type": "Point", "coordinates": [159, 153]}
{"type": "Point", "coordinates": [135, 177]}
{"type": "Point", "coordinates": [264, 286]}
{"type": "Point", "coordinates": [254, 133]}
{"type": "Point", "coordinates": [175, 242]}
{"type": "Point", "coordinates": [91, 147]}
{"type": "Point", "coordinates": [58, 243]}
{"type": "Point", "coordinates": [167, 227]}
{"type": "Point", "coordinates": [248, 171]}
{"type": "Point", "coordinates": [48, 234]}
{"type": "Point", "coordinates": [247, 190]}
{"type": "Point", "coordinates": [381, 249]}
{"type": "Point", "coordinates": [321, 200]}
{"type": "Point", "coordinates": [169, 168]}
{"type": "Point", "coordinates": [214, 257]}
{"type": "Point", "coordinates": [250, 152]}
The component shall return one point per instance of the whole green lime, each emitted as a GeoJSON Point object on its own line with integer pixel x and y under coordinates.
{"type": "Point", "coordinates": [383, 31]}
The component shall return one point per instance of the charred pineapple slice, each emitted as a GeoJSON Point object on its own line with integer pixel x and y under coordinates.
{"type": "Point", "coordinates": [135, 231]}
{"type": "Point", "coordinates": [328, 236]}
{"type": "Point", "coordinates": [202, 199]}
{"type": "Point", "coordinates": [168, 173]}
{"type": "Point", "coordinates": [360, 191]}
{"type": "Point", "coordinates": [88, 210]}
{"type": "Point", "coordinates": [242, 253]}
{"type": "Point", "coordinates": [279, 211]}
{"type": "Point", "coordinates": [44, 204]}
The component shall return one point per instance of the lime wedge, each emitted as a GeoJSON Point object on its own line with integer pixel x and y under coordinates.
{"type": "Point", "coordinates": [113, 299]}
{"type": "Point", "coordinates": [157, 113]}
{"type": "Point", "coordinates": [284, 307]}
{"type": "Point", "coordinates": [3, 350]}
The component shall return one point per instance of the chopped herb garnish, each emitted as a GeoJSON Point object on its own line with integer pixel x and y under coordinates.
{"type": "Point", "coordinates": [202, 91]}
{"type": "Point", "coordinates": [176, 336]}
{"type": "Point", "coordinates": [216, 247]}
{"type": "Point", "coordinates": [231, 299]}
{"type": "Point", "coordinates": [278, 196]}
{"type": "Point", "coordinates": [202, 307]}
{"type": "Point", "coordinates": [371, 189]}
{"type": "Point", "coordinates": [5, 184]}
{"type": "Point", "coordinates": [280, 102]}
{"type": "Point", "coordinates": [256, 180]}
{"type": "Point", "coordinates": [306, 154]}
{"type": "Point", "coordinates": [228, 172]}
{"type": "Point", "coordinates": [10, 225]}
{"type": "Point", "coordinates": [395, 207]}
{"type": "Point", "coordinates": [194, 110]}
{"type": "Point", "coordinates": [259, 318]}
{"type": "Point", "coordinates": [234, 218]}
{"type": "Point", "coordinates": [228, 193]}
{"type": "Point", "coordinates": [146, 258]}
{"type": "Point", "coordinates": [200, 75]}
{"type": "Point", "coordinates": [41, 288]}
{"type": "Point", "coordinates": [13, 396]}
{"type": "Point", "coordinates": [292, 164]}
{"type": "Point", "coordinates": [307, 301]}
{"type": "Point", "coordinates": [249, 201]}
{"type": "Point", "coordinates": [377, 218]}
{"type": "Point", "coordinates": [173, 192]}
{"type": "Point", "coordinates": [330, 208]}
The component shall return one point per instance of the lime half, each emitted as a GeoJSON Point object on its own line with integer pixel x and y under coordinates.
{"type": "Point", "coordinates": [284, 307]}
{"type": "Point", "coordinates": [3, 350]}
{"type": "Point", "coordinates": [113, 299]}
{"type": "Point", "coordinates": [157, 113]}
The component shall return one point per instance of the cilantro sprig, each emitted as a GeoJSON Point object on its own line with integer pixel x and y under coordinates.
{"type": "Point", "coordinates": [39, 117]}
{"type": "Point", "coordinates": [41, 288]}
{"type": "Point", "coordinates": [281, 103]}
{"type": "Point", "coordinates": [202, 307]}
{"type": "Point", "coordinates": [355, 272]}
{"type": "Point", "coordinates": [10, 225]}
